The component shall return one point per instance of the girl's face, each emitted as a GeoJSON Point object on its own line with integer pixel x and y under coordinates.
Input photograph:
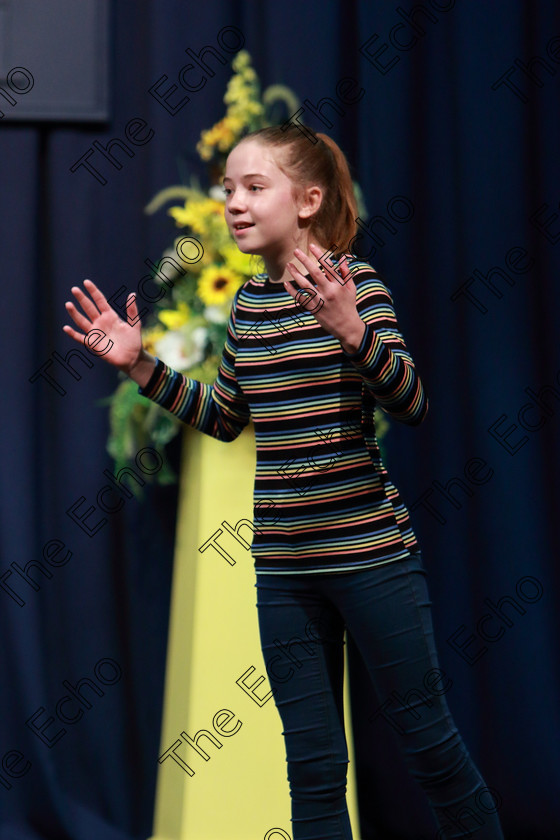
{"type": "Point", "coordinates": [261, 211]}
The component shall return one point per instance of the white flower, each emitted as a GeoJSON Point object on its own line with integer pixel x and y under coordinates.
{"type": "Point", "coordinates": [199, 336]}
{"type": "Point", "coordinates": [215, 314]}
{"type": "Point", "coordinates": [181, 351]}
{"type": "Point", "coordinates": [169, 274]}
{"type": "Point", "coordinates": [217, 193]}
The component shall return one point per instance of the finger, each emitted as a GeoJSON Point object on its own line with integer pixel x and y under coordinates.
{"type": "Point", "coordinates": [321, 256]}
{"type": "Point", "coordinates": [97, 295]}
{"type": "Point", "coordinates": [132, 310]}
{"type": "Point", "coordinates": [345, 271]}
{"type": "Point", "coordinates": [343, 263]}
{"type": "Point", "coordinates": [289, 288]}
{"type": "Point", "coordinates": [309, 296]}
{"type": "Point", "coordinates": [86, 303]}
{"type": "Point", "coordinates": [340, 272]}
{"type": "Point", "coordinates": [79, 337]}
{"type": "Point", "coordinates": [77, 317]}
{"type": "Point", "coordinates": [304, 258]}
{"type": "Point", "coordinates": [298, 276]}
{"type": "Point", "coordinates": [328, 264]}
{"type": "Point", "coordinates": [311, 264]}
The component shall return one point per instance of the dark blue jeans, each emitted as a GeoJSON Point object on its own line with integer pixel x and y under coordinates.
{"type": "Point", "coordinates": [387, 612]}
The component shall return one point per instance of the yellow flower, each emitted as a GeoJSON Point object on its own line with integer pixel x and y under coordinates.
{"type": "Point", "coordinates": [197, 214]}
{"type": "Point", "coordinates": [245, 111]}
{"type": "Point", "coordinates": [180, 214]}
{"type": "Point", "coordinates": [191, 268]}
{"type": "Point", "coordinates": [241, 60]}
{"type": "Point", "coordinates": [218, 284]}
{"type": "Point", "coordinates": [238, 261]}
{"type": "Point", "coordinates": [205, 152]}
{"type": "Point", "coordinates": [175, 318]}
{"type": "Point", "coordinates": [222, 135]}
{"type": "Point", "coordinates": [150, 338]}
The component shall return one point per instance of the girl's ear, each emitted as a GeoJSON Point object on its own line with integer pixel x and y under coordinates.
{"type": "Point", "coordinates": [310, 202]}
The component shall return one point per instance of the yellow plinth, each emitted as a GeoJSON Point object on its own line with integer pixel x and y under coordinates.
{"type": "Point", "coordinates": [231, 784]}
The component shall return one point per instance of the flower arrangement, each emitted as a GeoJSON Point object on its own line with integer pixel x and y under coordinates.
{"type": "Point", "coordinates": [187, 329]}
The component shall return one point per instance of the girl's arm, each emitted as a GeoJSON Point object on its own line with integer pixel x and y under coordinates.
{"type": "Point", "coordinates": [357, 309]}
{"type": "Point", "coordinates": [108, 336]}
{"type": "Point", "coordinates": [219, 410]}
{"type": "Point", "coordinates": [382, 358]}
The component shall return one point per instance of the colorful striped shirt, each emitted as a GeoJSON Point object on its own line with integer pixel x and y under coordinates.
{"type": "Point", "coordinates": [323, 501]}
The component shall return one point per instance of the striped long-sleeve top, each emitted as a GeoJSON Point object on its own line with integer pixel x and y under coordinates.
{"type": "Point", "coordinates": [323, 501]}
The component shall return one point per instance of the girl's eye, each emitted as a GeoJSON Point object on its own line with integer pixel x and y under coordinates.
{"type": "Point", "coordinates": [228, 190]}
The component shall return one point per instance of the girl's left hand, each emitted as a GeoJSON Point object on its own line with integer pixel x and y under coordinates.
{"type": "Point", "coordinates": [332, 302]}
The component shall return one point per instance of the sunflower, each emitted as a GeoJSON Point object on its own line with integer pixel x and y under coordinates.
{"type": "Point", "coordinates": [218, 284]}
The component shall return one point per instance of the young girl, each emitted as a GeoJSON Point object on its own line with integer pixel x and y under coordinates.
{"type": "Point", "coordinates": [312, 346]}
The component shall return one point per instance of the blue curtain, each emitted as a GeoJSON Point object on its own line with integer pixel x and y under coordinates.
{"type": "Point", "coordinates": [449, 113]}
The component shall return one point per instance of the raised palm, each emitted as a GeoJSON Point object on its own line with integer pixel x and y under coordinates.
{"type": "Point", "coordinates": [103, 332]}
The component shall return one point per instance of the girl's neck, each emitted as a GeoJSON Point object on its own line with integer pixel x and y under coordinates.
{"type": "Point", "coordinates": [277, 268]}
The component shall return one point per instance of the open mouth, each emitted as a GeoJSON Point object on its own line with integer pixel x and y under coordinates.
{"type": "Point", "coordinates": [242, 226]}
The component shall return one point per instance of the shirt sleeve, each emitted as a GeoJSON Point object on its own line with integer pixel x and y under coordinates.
{"type": "Point", "coordinates": [382, 358]}
{"type": "Point", "coordinates": [219, 410]}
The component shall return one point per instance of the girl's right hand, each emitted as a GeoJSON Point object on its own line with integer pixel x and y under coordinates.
{"type": "Point", "coordinates": [123, 340]}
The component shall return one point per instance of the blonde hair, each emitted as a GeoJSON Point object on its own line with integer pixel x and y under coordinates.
{"type": "Point", "coordinates": [311, 158]}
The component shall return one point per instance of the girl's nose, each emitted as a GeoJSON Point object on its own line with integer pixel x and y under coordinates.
{"type": "Point", "coordinates": [237, 202]}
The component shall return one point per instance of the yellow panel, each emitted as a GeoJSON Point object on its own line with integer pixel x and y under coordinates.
{"type": "Point", "coordinates": [240, 791]}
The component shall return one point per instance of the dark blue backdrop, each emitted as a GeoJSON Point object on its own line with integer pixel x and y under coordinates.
{"type": "Point", "coordinates": [459, 120]}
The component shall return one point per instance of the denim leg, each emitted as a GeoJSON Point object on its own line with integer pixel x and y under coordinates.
{"type": "Point", "coordinates": [306, 670]}
{"type": "Point", "coordinates": [388, 613]}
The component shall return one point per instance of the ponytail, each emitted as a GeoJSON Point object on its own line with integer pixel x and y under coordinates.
{"type": "Point", "coordinates": [337, 215]}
